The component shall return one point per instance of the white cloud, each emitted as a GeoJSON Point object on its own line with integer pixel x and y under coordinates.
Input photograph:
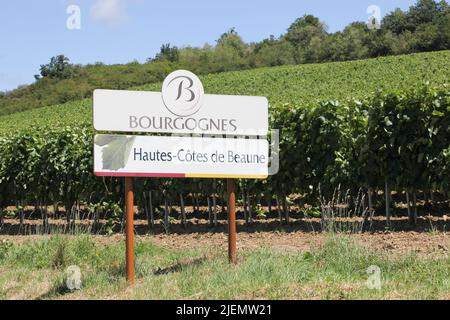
{"type": "Point", "coordinates": [109, 11]}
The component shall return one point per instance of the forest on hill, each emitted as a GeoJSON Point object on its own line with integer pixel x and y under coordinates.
{"type": "Point", "coordinates": [298, 86]}
{"type": "Point", "coordinates": [423, 27]}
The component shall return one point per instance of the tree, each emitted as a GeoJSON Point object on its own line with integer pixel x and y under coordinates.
{"type": "Point", "coordinates": [304, 29]}
{"type": "Point", "coordinates": [230, 52]}
{"type": "Point", "coordinates": [197, 60]}
{"type": "Point", "coordinates": [443, 26]}
{"type": "Point", "coordinates": [167, 52]}
{"type": "Point", "coordinates": [58, 68]}
{"type": "Point", "coordinates": [305, 21]}
{"type": "Point", "coordinates": [426, 37]}
{"type": "Point", "coordinates": [232, 39]}
{"type": "Point", "coordinates": [302, 37]}
{"type": "Point", "coordinates": [352, 43]}
{"type": "Point", "coordinates": [226, 58]}
{"type": "Point", "coordinates": [397, 22]}
{"type": "Point", "coordinates": [272, 52]}
{"type": "Point", "coordinates": [402, 43]}
{"type": "Point", "coordinates": [425, 11]}
{"type": "Point", "coordinates": [306, 35]}
{"type": "Point", "coordinates": [381, 43]}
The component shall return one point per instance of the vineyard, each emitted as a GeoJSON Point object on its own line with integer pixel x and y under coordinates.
{"type": "Point", "coordinates": [363, 128]}
{"type": "Point", "coordinates": [299, 85]}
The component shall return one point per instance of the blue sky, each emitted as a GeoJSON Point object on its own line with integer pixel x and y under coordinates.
{"type": "Point", "coordinates": [120, 31]}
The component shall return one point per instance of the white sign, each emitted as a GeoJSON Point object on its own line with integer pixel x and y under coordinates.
{"type": "Point", "coordinates": [181, 107]}
{"type": "Point", "coordinates": [180, 157]}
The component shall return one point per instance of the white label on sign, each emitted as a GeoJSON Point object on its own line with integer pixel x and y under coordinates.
{"type": "Point", "coordinates": [140, 111]}
{"type": "Point", "coordinates": [180, 157]}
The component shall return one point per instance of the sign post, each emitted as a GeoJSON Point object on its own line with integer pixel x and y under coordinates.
{"type": "Point", "coordinates": [129, 229]}
{"type": "Point", "coordinates": [239, 150]}
{"type": "Point", "coordinates": [231, 190]}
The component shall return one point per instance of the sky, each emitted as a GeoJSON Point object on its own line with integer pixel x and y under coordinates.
{"type": "Point", "coordinates": [120, 31]}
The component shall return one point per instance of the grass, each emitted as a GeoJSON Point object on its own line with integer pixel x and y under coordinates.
{"type": "Point", "coordinates": [336, 270]}
{"type": "Point", "coordinates": [297, 85]}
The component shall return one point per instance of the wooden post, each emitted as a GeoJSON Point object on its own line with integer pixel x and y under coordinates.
{"type": "Point", "coordinates": [387, 194]}
{"type": "Point", "coordinates": [231, 189]}
{"type": "Point", "coordinates": [408, 202]}
{"type": "Point", "coordinates": [183, 211]}
{"type": "Point", "coordinates": [152, 215]}
{"type": "Point", "coordinates": [129, 231]}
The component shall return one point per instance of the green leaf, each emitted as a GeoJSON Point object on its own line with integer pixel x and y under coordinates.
{"type": "Point", "coordinates": [437, 113]}
{"type": "Point", "coordinates": [117, 152]}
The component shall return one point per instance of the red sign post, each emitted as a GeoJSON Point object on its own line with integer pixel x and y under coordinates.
{"type": "Point", "coordinates": [231, 190]}
{"type": "Point", "coordinates": [129, 229]}
{"type": "Point", "coordinates": [129, 223]}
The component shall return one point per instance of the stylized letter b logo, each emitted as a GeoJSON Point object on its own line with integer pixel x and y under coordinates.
{"type": "Point", "coordinates": [182, 93]}
{"type": "Point", "coordinates": [188, 88]}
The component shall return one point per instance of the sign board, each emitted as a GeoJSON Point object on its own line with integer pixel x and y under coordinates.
{"type": "Point", "coordinates": [180, 157]}
{"type": "Point", "coordinates": [181, 107]}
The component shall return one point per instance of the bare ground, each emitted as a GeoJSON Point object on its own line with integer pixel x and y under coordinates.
{"type": "Point", "coordinates": [428, 238]}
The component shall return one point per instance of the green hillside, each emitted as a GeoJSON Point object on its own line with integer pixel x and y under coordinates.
{"type": "Point", "coordinates": [423, 27]}
{"type": "Point", "coordinates": [297, 85]}
{"type": "Point", "coordinates": [80, 84]}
